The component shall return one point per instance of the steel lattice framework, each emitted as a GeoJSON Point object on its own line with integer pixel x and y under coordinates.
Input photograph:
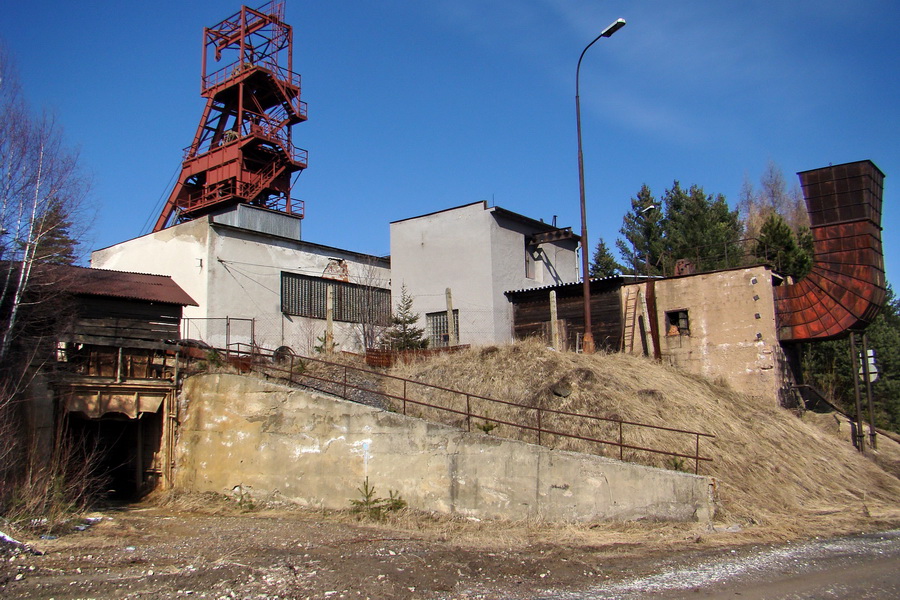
{"type": "Point", "coordinates": [242, 151]}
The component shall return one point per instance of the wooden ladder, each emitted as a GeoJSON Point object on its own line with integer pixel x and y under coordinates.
{"type": "Point", "coordinates": [629, 320]}
{"type": "Point", "coordinates": [648, 342]}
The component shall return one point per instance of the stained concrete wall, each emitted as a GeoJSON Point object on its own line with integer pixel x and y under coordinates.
{"type": "Point", "coordinates": [732, 328]}
{"type": "Point", "coordinates": [280, 442]}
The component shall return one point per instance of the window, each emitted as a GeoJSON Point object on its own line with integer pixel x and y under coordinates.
{"type": "Point", "coordinates": [305, 296]}
{"type": "Point", "coordinates": [436, 328]}
{"type": "Point", "coordinates": [529, 263]}
{"type": "Point", "coordinates": [677, 322]}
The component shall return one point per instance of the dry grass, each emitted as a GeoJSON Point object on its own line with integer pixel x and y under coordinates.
{"type": "Point", "coordinates": [770, 466]}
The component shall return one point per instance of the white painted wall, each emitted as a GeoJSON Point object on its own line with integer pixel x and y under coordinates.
{"type": "Point", "coordinates": [233, 272]}
{"type": "Point", "coordinates": [181, 252]}
{"type": "Point", "coordinates": [479, 253]}
{"type": "Point", "coordinates": [476, 251]}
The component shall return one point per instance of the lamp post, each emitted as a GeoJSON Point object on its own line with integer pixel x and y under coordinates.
{"type": "Point", "coordinates": [588, 342]}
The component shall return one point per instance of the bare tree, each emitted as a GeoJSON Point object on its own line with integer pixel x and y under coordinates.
{"type": "Point", "coordinates": [41, 189]}
{"type": "Point", "coordinates": [41, 192]}
{"type": "Point", "coordinates": [773, 196]}
{"type": "Point", "coordinates": [374, 310]}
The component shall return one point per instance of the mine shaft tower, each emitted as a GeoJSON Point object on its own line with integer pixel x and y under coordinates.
{"type": "Point", "coordinates": [242, 152]}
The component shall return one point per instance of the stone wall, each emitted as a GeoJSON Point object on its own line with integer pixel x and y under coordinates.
{"type": "Point", "coordinates": [277, 442]}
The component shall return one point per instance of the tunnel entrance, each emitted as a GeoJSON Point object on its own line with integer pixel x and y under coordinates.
{"type": "Point", "coordinates": [127, 453]}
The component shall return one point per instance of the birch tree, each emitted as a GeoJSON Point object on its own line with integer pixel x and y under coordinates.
{"type": "Point", "coordinates": [41, 191]}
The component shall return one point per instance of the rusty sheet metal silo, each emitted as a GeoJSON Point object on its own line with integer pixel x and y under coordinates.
{"type": "Point", "coordinates": [846, 288]}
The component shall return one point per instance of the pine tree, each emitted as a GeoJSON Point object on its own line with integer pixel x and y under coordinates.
{"type": "Point", "coordinates": [700, 228]}
{"type": "Point", "coordinates": [603, 264]}
{"type": "Point", "coordinates": [827, 367]}
{"type": "Point", "coordinates": [54, 242]}
{"type": "Point", "coordinates": [643, 229]}
{"type": "Point", "coordinates": [404, 335]}
{"type": "Point", "coordinates": [779, 246]}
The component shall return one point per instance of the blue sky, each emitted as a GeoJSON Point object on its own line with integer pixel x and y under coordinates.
{"type": "Point", "coordinates": [420, 106]}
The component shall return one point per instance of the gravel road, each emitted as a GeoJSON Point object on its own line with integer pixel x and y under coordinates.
{"type": "Point", "coordinates": [858, 568]}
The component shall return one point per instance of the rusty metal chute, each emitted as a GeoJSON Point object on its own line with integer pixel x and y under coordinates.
{"type": "Point", "coordinates": [243, 152]}
{"type": "Point", "coordinates": [846, 288]}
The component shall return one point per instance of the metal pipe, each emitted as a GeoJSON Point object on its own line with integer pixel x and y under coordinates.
{"type": "Point", "coordinates": [859, 438]}
{"type": "Point", "coordinates": [868, 381]}
{"type": "Point", "coordinates": [468, 414]}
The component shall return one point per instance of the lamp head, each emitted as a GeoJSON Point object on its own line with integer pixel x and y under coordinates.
{"type": "Point", "coordinates": [613, 27]}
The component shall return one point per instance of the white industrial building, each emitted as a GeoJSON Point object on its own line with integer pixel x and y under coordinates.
{"type": "Point", "coordinates": [257, 282]}
{"type": "Point", "coordinates": [478, 253]}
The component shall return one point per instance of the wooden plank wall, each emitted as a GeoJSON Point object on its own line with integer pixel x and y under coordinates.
{"type": "Point", "coordinates": [112, 318]}
{"type": "Point", "coordinates": [530, 316]}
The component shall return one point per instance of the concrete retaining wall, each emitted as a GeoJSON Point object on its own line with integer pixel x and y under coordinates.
{"type": "Point", "coordinates": [316, 451]}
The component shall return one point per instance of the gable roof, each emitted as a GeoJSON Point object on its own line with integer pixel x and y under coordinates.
{"type": "Point", "coordinates": [496, 210]}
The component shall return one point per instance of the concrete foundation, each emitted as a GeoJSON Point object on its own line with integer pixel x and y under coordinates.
{"type": "Point", "coordinates": [275, 441]}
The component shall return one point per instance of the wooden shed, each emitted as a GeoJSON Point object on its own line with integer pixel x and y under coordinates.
{"type": "Point", "coordinates": [116, 377]}
{"type": "Point", "coordinates": [531, 312]}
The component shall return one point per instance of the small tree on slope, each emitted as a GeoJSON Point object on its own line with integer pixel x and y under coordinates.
{"type": "Point", "coordinates": [404, 335]}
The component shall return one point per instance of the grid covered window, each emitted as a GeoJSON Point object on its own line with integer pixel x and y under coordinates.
{"type": "Point", "coordinates": [436, 328]}
{"type": "Point", "coordinates": [306, 296]}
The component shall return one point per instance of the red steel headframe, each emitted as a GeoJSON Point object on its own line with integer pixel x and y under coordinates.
{"type": "Point", "coordinates": [846, 288]}
{"type": "Point", "coordinates": [242, 151]}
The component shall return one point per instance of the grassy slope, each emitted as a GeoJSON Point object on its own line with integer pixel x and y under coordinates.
{"type": "Point", "coordinates": [772, 468]}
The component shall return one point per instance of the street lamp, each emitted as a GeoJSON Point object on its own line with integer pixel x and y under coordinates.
{"type": "Point", "coordinates": [588, 342]}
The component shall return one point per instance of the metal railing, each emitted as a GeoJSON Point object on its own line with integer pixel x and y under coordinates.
{"type": "Point", "coordinates": [345, 379]}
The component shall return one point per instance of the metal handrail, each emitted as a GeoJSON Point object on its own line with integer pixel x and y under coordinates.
{"type": "Point", "coordinates": [539, 429]}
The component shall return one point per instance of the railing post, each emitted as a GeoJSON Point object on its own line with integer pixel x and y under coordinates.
{"type": "Point", "coordinates": [621, 442]}
{"type": "Point", "coordinates": [697, 456]}
{"type": "Point", "coordinates": [468, 414]}
{"type": "Point", "coordinates": [404, 397]}
{"type": "Point", "coordinates": [539, 427]}
{"type": "Point", "coordinates": [345, 383]}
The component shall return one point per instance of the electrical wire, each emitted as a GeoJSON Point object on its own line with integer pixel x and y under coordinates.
{"type": "Point", "coordinates": [157, 207]}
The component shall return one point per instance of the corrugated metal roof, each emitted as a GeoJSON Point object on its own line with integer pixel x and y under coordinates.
{"type": "Point", "coordinates": [116, 284]}
{"type": "Point", "coordinates": [559, 286]}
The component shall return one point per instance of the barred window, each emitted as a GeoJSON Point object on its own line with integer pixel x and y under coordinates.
{"type": "Point", "coordinates": [436, 328]}
{"type": "Point", "coordinates": [305, 296]}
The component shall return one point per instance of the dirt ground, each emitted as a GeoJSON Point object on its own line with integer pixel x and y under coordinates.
{"type": "Point", "coordinates": [779, 479]}
{"type": "Point", "coordinates": [205, 547]}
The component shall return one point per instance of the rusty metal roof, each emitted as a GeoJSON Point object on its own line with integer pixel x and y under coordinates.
{"type": "Point", "coordinates": [85, 281]}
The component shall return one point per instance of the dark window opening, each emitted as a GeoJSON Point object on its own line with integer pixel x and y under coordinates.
{"type": "Point", "coordinates": [530, 262]}
{"type": "Point", "coordinates": [677, 322]}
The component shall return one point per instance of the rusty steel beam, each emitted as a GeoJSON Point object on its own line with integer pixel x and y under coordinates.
{"type": "Point", "coordinates": [242, 151]}
{"type": "Point", "coordinates": [845, 290]}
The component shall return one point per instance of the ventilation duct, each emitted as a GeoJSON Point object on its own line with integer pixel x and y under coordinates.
{"type": "Point", "coordinates": [845, 290]}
